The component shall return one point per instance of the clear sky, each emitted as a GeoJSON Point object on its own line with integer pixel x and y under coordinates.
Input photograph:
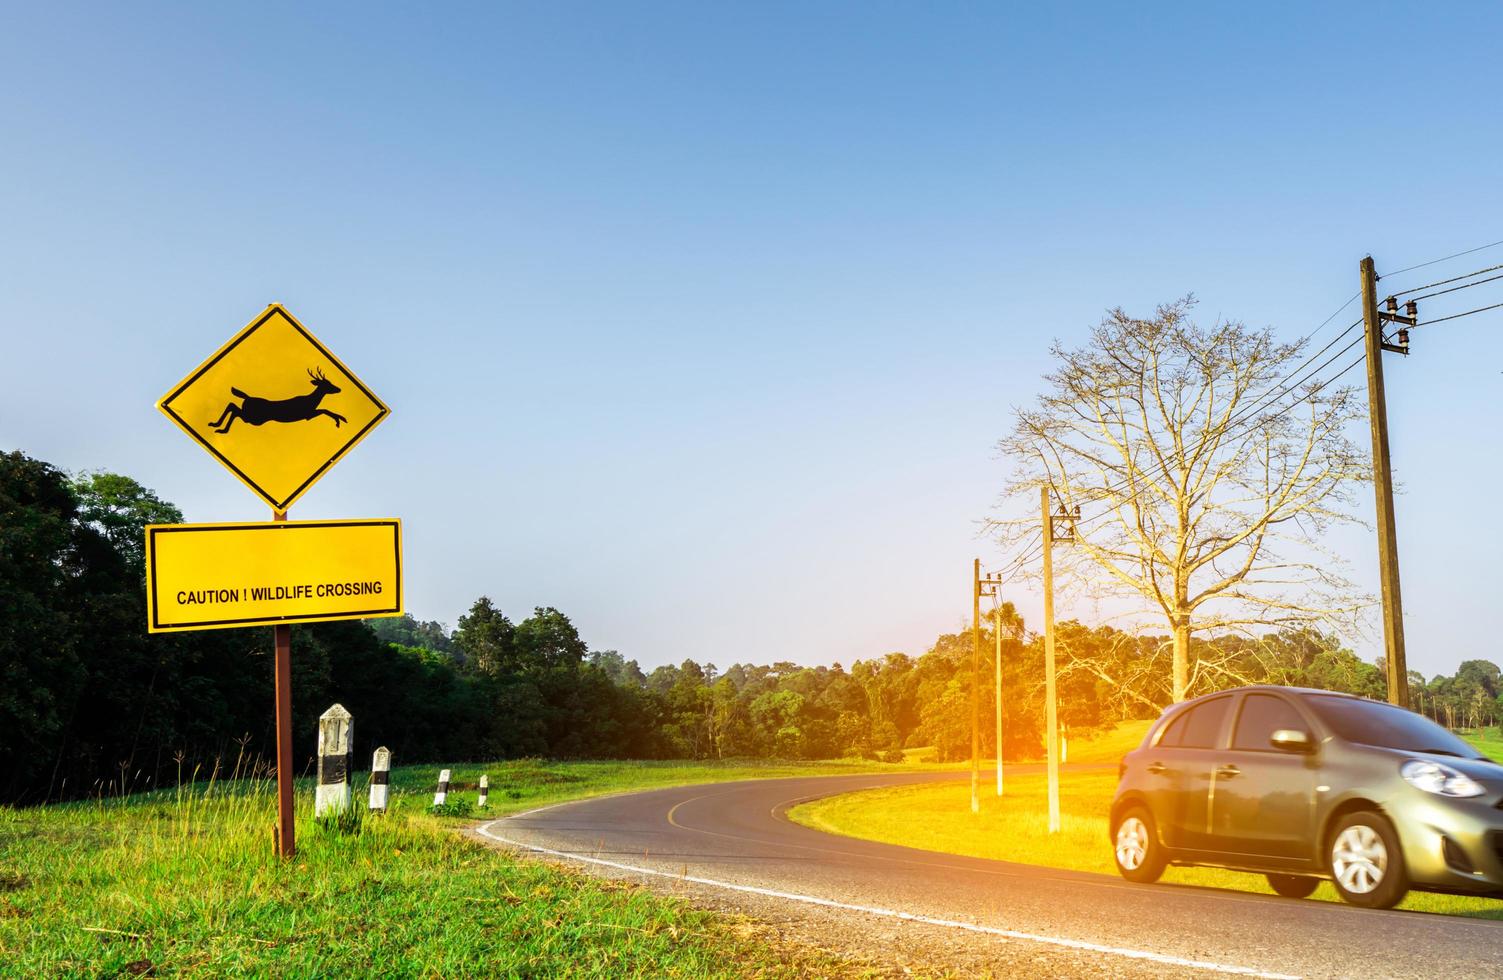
{"type": "Point", "coordinates": [700, 321]}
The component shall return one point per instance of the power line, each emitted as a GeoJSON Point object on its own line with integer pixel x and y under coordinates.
{"type": "Point", "coordinates": [1406, 292]}
{"type": "Point", "coordinates": [1333, 316]}
{"type": "Point", "coordinates": [1279, 391]}
{"type": "Point", "coordinates": [1442, 292]}
{"type": "Point", "coordinates": [1035, 548]}
{"type": "Point", "coordinates": [1029, 550]}
{"type": "Point", "coordinates": [1457, 316]}
{"type": "Point", "coordinates": [1447, 258]}
{"type": "Point", "coordinates": [1265, 420]}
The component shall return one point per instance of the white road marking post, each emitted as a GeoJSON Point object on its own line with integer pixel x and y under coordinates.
{"type": "Point", "coordinates": [485, 789]}
{"type": "Point", "coordinates": [336, 736]}
{"type": "Point", "coordinates": [1080, 944]}
{"type": "Point", "coordinates": [442, 796]}
{"type": "Point", "coordinates": [380, 779]}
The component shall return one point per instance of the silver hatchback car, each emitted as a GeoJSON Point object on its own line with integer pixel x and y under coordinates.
{"type": "Point", "coordinates": [1302, 785]}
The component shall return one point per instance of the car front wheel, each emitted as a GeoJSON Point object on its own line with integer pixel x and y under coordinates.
{"type": "Point", "coordinates": [1366, 863]}
{"type": "Point", "coordinates": [1293, 886]}
{"type": "Point", "coordinates": [1135, 845]}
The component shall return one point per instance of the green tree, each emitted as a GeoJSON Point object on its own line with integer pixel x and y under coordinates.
{"type": "Point", "coordinates": [41, 569]}
{"type": "Point", "coordinates": [622, 672]}
{"type": "Point", "coordinates": [120, 509]}
{"type": "Point", "coordinates": [486, 638]}
{"type": "Point", "coordinates": [547, 641]}
{"type": "Point", "coordinates": [409, 632]}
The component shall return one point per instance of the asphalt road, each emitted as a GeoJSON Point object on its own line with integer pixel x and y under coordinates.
{"type": "Point", "coordinates": [734, 839]}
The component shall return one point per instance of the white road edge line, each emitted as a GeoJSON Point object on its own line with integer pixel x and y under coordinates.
{"type": "Point", "coordinates": [1137, 954]}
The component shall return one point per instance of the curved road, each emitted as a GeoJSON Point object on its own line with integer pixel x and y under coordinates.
{"type": "Point", "coordinates": [734, 839]}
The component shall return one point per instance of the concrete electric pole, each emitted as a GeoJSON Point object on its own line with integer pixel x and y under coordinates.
{"type": "Point", "coordinates": [1051, 723]}
{"type": "Point", "coordinates": [997, 663]}
{"type": "Point", "coordinates": [975, 684]}
{"type": "Point", "coordinates": [988, 585]}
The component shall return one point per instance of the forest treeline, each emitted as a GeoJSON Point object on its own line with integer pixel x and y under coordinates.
{"type": "Point", "coordinates": [90, 702]}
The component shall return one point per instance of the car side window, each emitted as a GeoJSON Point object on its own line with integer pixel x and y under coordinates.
{"type": "Point", "coordinates": [1204, 724]}
{"type": "Point", "coordinates": [1172, 731]}
{"type": "Point", "coordinates": [1262, 715]}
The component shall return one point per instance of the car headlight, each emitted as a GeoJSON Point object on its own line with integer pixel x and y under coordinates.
{"type": "Point", "coordinates": [1435, 777]}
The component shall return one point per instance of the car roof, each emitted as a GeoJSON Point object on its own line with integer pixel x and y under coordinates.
{"type": "Point", "coordinates": [1248, 688]}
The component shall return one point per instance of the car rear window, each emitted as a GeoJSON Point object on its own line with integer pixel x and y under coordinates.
{"type": "Point", "coordinates": [1386, 726]}
{"type": "Point", "coordinates": [1261, 716]}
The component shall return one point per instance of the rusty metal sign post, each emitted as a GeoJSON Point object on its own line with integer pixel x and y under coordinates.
{"type": "Point", "coordinates": [247, 407]}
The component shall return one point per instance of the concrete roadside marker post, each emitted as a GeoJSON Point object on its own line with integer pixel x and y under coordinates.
{"type": "Point", "coordinates": [336, 735]}
{"type": "Point", "coordinates": [442, 796]}
{"type": "Point", "coordinates": [380, 779]}
{"type": "Point", "coordinates": [485, 789]}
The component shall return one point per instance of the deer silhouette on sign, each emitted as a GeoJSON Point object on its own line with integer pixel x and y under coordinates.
{"type": "Point", "coordinates": [259, 411]}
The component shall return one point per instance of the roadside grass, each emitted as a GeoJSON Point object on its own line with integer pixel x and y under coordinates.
{"type": "Point", "coordinates": [522, 784]}
{"type": "Point", "coordinates": [1109, 746]}
{"type": "Point", "coordinates": [184, 882]}
{"type": "Point", "coordinates": [1489, 741]}
{"type": "Point", "coordinates": [937, 817]}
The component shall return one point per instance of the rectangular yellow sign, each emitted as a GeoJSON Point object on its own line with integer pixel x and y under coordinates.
{"type": "Point", "coordinates": [216, 576]}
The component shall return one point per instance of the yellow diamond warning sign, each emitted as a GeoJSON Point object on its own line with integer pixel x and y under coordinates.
{"type": "Point", "coordinates": [213, 576]}
{"type": "Point", "coordinates": [275, 407]}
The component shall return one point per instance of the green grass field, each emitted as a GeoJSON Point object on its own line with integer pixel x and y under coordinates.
{"type": "Point", "coordinates": [185, 883]}
{"type": "Point", "coordinates": [1015, 827]}
{"type": "Point", "coordinates": [1489, 741]}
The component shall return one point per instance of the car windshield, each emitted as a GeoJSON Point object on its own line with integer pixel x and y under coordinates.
{"type": "Point", "coordinates": [1387, 726]}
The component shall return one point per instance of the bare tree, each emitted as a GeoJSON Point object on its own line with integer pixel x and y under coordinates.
{"type": "Point", "coordinates": [1206, 481]}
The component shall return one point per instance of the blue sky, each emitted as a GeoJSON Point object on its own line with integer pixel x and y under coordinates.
{"type": "Point", "coordinates": [700, 321]}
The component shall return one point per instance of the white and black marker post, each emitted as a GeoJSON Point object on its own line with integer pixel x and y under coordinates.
{"type": "Point", "coordinates": [485, 790]}
{"type": "Point", "coordinates": [380, 778]}
{"type": "Point", "coordinates": [336, 730]}
{"type": "Point", "coordinates": [442, 796]}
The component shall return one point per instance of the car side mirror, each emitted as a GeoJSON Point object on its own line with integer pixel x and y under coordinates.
{"type": "Point", "coordinates": [1291, 740]}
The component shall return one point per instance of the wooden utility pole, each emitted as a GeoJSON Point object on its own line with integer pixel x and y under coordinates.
{"type": "Point", "coordinates": [1051, 709]}
{"type": "Point", "coordinates": [975, 684]}
{"type": "Point", "coordinates": [1388, 546]}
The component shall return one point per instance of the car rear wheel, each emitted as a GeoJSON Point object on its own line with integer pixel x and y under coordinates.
{"type": "Point", "coordinates": [1366, 863]}
{"type": "Point", "coordinates": [1293, 886]}
{"type": "Point", "coordinates": [1136, 847]}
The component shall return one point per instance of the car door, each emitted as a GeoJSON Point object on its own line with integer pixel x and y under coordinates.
{"type": "Point", "coordinates": [1263, 799]}
{"type": "Point", "coordinates": [1178, 769]}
